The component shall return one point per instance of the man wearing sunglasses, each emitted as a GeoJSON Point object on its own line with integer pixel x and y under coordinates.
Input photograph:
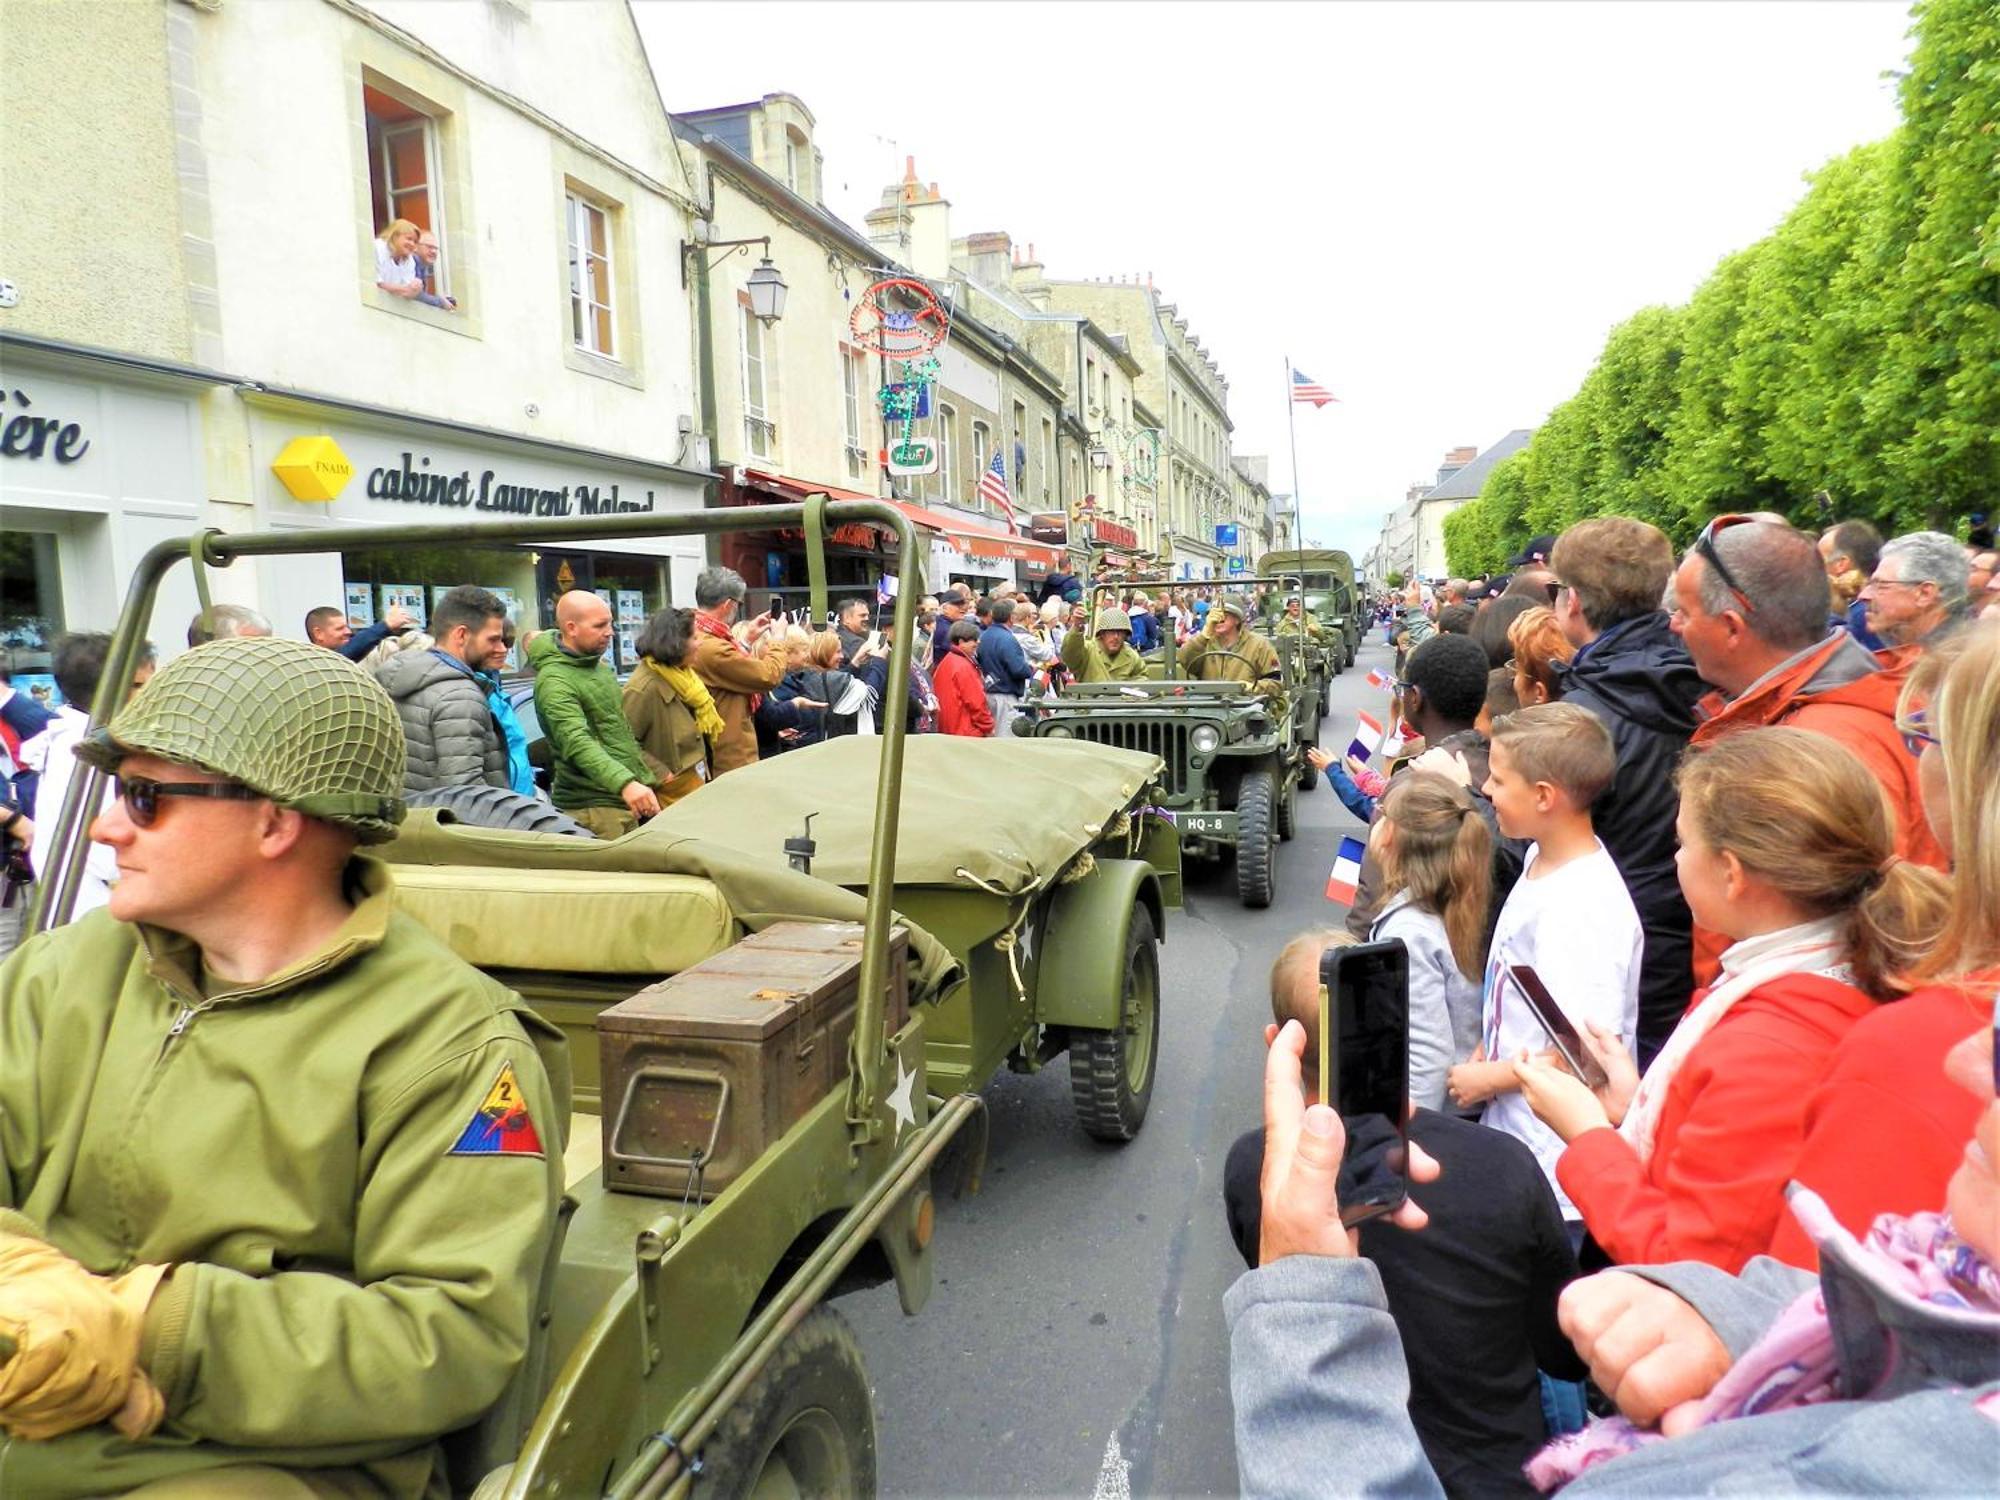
{"type": "Point", "coordinates": [1751, 605]}
{"type": "Point", "coordinates": [278, 1170]}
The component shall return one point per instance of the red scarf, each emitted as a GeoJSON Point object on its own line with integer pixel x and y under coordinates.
{"type": "Point", "coordinates": [711, 627]}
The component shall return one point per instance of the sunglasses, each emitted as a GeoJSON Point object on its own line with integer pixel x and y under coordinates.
{"type": "Point", "coordinates": [1705, 545]}
{"type": "Point", "coordinates": [1915, 728]}
{"type": "Point", "coordinates": [141, 795]}
{"type": "Point", "coordinates": [1555, 592]}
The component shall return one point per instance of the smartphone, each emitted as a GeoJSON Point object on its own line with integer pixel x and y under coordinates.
{"type": "Point", "coordinates": [1582, 1061]}
{"type": "Point", "coordinates": [777, 606]}
{"type": "Point", "coordinates": [1364, 1071]}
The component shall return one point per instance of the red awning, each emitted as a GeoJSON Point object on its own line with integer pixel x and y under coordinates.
{"type": "Point", "coordinates": [789, 488]}
{"type": "Point", "coordinates": [976, 540]}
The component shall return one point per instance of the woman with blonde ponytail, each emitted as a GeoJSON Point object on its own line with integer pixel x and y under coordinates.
{"type": "Point", "coordinates": [1788, 850]}
{"type": "Point", "coordinates": [1882, 1136]}
{"type": "Point", "coordinates": [1436, 855]}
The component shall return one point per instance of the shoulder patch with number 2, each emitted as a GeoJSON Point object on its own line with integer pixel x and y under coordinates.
{"type": "Point", "coordinates": [501, 1126]}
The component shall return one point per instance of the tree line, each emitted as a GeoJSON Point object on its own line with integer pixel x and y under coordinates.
{"type": "Point", "coordinates": [1846, 365]}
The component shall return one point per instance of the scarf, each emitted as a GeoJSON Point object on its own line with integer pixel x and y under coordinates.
{"type": "Point", "coordinates": [1795, 1364]}
{"type": "Point", "coordinates": [721, 632]}
{"type": "Point", "coordinates": [1810, 947]}
{"type": "Point", "coordinates": [692, 692]}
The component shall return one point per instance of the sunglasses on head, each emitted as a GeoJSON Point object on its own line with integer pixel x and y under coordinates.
{"type": "Point", "coordinates": [1705, 545]}
{"type": "Point", "coordinates": [141, 795]}
{"type": "Point", "coordinates": [1915, 728]}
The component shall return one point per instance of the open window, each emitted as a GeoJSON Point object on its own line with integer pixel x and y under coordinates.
{"type": "Point", "coordinates": [593, 325]}
{"type": "Point", "coordinates": [760, 434]}
{"type": "Point", "coordinates": [405, 193]}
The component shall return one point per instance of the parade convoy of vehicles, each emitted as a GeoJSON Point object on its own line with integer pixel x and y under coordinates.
{"type": "Point", "coordinates": [778, 1001]}
{"type": "Point", "coordinates": [1330, 591]}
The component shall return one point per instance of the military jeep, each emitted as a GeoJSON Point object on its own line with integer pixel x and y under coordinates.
{"type": "Point", "coordinates": [1330, 593]}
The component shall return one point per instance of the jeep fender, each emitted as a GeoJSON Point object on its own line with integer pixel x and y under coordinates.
{"type": "Point", "coordinates": [1081, 975]}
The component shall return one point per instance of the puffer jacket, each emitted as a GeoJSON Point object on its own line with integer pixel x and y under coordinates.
{"type": "Point", "coordinates": [577, 698]}
{"type": "Point", "coordinates": [1639, 680]}
{"type": "Point", "coordinates": [447, 722]}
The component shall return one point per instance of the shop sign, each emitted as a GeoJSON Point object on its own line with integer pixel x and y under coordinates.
{"type": "Point", "coordinates": [1111, 534]}
{"type": "Point", "coordinates": [911, 457]}
{"type": "Point", "coordinates": [1236, 565]}
{"type": "Point", "coordinates": [414, 482]}
{"type": "Point", "coordinates": [313, 468]}
{"type": "Point", "coordinates": [1049, 526]}
{"type": "Point", "coordinates": [857, 534]}
{"type": "Point", "coordinates": [34, 437]}
{"type": "Point", "coordinates": [1225, 535]}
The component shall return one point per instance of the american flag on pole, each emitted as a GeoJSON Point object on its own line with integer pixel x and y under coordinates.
{"type": "Point", "coordinates": [1305, 388]}
{"type": "Point", "coordinates": [993, 489]}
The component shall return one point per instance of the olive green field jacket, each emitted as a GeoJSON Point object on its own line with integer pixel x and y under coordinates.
{"type": "Point", "coordinates": [336, 1164]}
{"type": "Point", "coordinates": [1092, 663]}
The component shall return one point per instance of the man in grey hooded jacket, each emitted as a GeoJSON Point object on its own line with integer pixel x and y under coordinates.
{"type": "Point", "coordinates": [447, 724]}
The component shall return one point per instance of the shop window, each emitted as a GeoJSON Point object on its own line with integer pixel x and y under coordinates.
{"type": "Point", "coordinates": [31, 614]}
{"type": "Point", "coordinates": [406, 186]}
{"type": "Point", "coordinates": [760, 434]}
{"type": "Point", "coordinates": [982, 455]}
{"type": "Point", "coordinates": [590, 314]}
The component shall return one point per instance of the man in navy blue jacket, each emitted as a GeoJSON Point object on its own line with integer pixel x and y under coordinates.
{"type": "Point", "coordinates": [1004, 665]}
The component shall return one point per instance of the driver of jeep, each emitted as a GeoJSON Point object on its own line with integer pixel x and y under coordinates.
{"type": "Point", "coordinates": [1227, 650]}
{"type": "Point", "coordinates": [278, 1171]}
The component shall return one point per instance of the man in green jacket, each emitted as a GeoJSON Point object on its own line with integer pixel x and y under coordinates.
{"type": "Point", "coordinates": [601, 778]}
{"type": "Point", "coordinates": [278, 1171]}
{"type": "Point", "coordinates": [1107, 657]}
{"type": "Point", "coordinates": [1250, 657]}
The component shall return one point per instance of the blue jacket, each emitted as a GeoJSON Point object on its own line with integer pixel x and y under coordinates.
{"type": "Point", "coordinates": [1351, 796]}
{"type": "Point", "coordinates": [520, 773]}
{"type": "Point", "coordinates": [1002, 662]}
{"type": "Point", "coordinates": [1145, 630]}
{"type": "Point", "coordinates": [1855, 622]}
{"type": "Point", "coordinates": [23, 718]}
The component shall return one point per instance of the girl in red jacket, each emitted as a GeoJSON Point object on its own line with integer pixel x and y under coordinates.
{"type": "Point", "coordinates": [1881, 1136]}
{"type": "Point", "coordinates": [961, 691]}
{"type": "Point", "coordinates": [1786, 849]}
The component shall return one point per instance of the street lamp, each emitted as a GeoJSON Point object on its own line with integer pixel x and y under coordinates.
{"type": "Point", "coordinates": [767, 291]}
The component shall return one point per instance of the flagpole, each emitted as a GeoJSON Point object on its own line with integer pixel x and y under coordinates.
{"type": "Point", "coordinates": [1292, 421]}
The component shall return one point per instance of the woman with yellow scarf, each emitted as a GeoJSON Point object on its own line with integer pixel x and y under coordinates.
{"type": "Point", "coordinates": [672, 717]}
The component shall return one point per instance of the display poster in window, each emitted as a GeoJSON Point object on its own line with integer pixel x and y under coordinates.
{"type": "Point", "coordinates": [408, 596]}
{"type": "Point", "coordinates": [40, 687]}
{"type": "Point", "coordinates": [360, 606]}
{"type": "Point", "coordinates": [631, 616]}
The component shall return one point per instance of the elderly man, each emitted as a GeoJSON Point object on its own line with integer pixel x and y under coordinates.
{"type": "Point", "coordinates": [427, 267]}
{"type": "Point", "coordinates": [1917, 594]}
{"type": "Point", "coordinates": [1105, 656]}
{"type": "Point", "coordinates": [951, 607]}
{"type": "Point", "coordinates": [221, 622]}
{"type": "Point", "coordinates": [736, 676]}
{"type": "Point", "coordinates": [274, 1159]}
{"type": "Point", "coordinates": [601, 777]}
{"type": "Point", "coordinates": [1751, 608]}
{"type": "Point", "coordinates": [1227, 650]}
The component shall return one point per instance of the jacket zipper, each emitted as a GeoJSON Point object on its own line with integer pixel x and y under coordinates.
{"type": "Point", "coordinates": [180, 1025]}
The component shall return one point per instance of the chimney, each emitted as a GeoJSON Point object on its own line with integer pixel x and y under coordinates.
{"type": "Point", "coordinates": [988, 256]}
{"type": "Point", "coordinates": [913, 225]}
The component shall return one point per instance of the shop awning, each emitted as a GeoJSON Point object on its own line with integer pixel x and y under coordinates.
{"type": "Point", "coordinates": [788, 487]}
{"type": "Point", "coordinates": [976, 540]}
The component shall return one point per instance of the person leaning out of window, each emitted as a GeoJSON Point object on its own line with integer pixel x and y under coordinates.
{"type": "Point", "coordinates": [668, 706]}
{"type": "Point", "coordinates": [396, 268]}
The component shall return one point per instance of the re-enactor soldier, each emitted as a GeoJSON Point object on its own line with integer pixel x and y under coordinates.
{"type": "Point", "coordinates": [1250, 657]}
{"type": "Point", "coordinates": [277, 1170]}
{"type": "Point", "coordinates": [1105, 656]}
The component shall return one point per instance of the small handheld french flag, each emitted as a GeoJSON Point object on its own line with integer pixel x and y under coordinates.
{"type": "Point", "coordinates": [1367, 738]}
{"type": "Point", "coordinates": [1377, 678]}
{"type": "Point", "coordinates": [1346, 877]}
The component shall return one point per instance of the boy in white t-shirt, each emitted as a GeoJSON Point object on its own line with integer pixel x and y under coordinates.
{"type": "Point", "coordinates": [1568, 918]}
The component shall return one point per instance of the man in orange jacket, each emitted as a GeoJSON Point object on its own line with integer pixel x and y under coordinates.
{"type": "Point", "coordinates": [1751, 605]}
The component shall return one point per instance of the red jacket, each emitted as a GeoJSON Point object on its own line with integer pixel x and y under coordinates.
{"type": "Point", "coordinates": [1885, 1130]}
{"type": "Point", "coordinates": [961, 696]}
{"type": "Point", "coordinates": [1729, 1134]}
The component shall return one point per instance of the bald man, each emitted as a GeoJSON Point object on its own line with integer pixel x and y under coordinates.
{"type": "Point", "coordinates": [600, 779]}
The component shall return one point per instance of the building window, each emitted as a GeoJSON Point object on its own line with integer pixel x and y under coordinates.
{"type": "Point", "coordinates": [1019, 457]}
{"type": "Point", "coordinates": [1107, 392]}
{"type": "Point", "coordinates": [853, 374]}
{"type": "Point", "coordinates": [1090, 384]}
{"type": "Point", "coordinates": [982, 455]}
{"type": "Point", "coordinates": [759, 435]}
{"type": "Point", "coordinates": [406, 191]}
{"type": "Point", "coordinates": [947, 477]}
{"type": "Point", "coordinates": [590, 277]}
{"type": "Point", "coordinates": [1048, 456]}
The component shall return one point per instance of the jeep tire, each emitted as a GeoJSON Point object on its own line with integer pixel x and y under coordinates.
{"type": "Point", "coordinates": [1256, 838]}
{"type": "Point", "coordinates": [808, 1416]}
{"type": "Point", "coordinates": [1288, 807]}
{"type": "Point", "coordinates": [1111, 1072]}
{"type": "Point", "coordinates": [497, 807]}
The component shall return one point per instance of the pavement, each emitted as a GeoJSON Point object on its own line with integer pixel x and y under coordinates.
{"type": "Point", "coordinates": [1074, 1344]}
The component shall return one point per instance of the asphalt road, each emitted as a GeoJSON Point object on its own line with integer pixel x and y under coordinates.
{"type": "Point", "coordinates": [1074, 1344]}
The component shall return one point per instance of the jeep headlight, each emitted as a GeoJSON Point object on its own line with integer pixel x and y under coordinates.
{"type": "Point", "coordinates": [1059, 732]}
{"type": "Point", "coordinates": [1204, 739]}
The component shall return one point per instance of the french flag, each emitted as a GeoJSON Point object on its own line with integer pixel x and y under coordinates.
{"type": "Point", "coordinates": [1367, 737]}
{"type": "Point", "coordinates": [1346, 877]}
{"type": "Point", "coordinates": [1377, 678]}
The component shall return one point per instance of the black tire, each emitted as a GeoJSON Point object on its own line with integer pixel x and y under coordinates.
{"type": "Point", "coordinates": [1308, 777]}
{"type": "Point", "coordinates": [1111, 1072]}
{"type": "Point", "coordinates": [809, 1411]}
{"type": "Point", "coordinates": [497, 807]}
{"type": "Point", "coordinates": [1256, 838]}
{"type": "Point", "coordinates": [1287, 810]}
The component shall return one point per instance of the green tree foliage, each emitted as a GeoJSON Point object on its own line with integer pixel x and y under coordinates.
{"type": "Point", "coordinates": [1855, 349]}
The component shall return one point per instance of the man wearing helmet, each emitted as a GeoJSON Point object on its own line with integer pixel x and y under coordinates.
{"type": "Point", "coordinates": [1250, 657]}
{"type": "Point", "coordinates": [277, 1170]}
{"type": "Point", "coordinates": [1106, 657]}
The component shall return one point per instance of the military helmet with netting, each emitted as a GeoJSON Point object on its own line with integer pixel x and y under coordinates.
{"type": "Point", "coordinates": [1112, 619]}
{"type": "Point", "coordinates": [301, 724]}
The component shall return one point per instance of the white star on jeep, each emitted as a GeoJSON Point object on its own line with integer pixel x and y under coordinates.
{"type": "Point", "coordinates": [900, 1103]}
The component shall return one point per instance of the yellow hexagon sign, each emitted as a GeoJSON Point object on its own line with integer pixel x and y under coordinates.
{"type": "Point", "coordinates": [313, 468]}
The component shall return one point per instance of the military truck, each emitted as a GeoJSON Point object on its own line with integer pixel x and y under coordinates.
{"type": "Point", "coordinates": [1234, 759]}
{"type": "Point", "coordinates": [757, 1109]}
{"type": "Point", "coordinates": [1329, 591]}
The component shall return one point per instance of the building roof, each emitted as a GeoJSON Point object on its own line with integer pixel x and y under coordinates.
{"type": "Point", "coordinates": [1468, 481]}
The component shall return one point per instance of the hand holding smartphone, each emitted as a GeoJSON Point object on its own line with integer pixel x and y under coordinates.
{"type": "Point", "coordinates": [1556, 1022]}
{"type": "Point", "coordinates": [1364, 1071]}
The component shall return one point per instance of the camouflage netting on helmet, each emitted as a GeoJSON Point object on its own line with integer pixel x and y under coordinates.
{"type": "Point", "coordinates": [301, 724]}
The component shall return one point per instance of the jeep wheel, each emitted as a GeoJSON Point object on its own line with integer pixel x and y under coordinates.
{"type": "Point", "coordinates": [1111, 1072]}
{"type": "Point", "coordinates": [1256, 838]}
{"type": "Point", "coordinates": [1308, 777]}
{"type": "Point", "coordinates": [1288, 808]}
{"type": "Point", "coordinates": [806, 1425]}
{"type": "Point", "coordinates": [497, 807]}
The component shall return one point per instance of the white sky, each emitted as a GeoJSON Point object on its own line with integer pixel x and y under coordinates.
{"type": "Point", "coordinates": [1438, 210]}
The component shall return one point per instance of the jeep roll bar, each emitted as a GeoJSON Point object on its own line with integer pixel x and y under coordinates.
{"type": "Point", "coordinates": [1169, 649]}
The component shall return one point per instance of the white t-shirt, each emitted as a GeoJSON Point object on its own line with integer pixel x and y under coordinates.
{"type": "Point", "coordinates": [1576, 927]}
{"type": "Point", "coordinates": [392, 272]}
{"type": "Point", "coordinates": [53, 753]}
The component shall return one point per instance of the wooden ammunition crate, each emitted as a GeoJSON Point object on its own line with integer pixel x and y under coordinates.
{"type": "Point", "coordinates": [725, 1057]}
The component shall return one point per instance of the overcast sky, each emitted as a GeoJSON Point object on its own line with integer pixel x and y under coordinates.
{"type": "Point", "coordinates": [1437, 210]}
